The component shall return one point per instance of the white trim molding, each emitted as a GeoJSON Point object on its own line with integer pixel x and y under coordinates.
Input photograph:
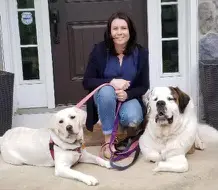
{"type": "Point", "coordinates": [193, 49]}
{"type": "Point", "coordinates": [6, 38]}
{"type": "Point", "coordinates": [44, 10]}
{"type": "Point", "coordinates": [46, 39]}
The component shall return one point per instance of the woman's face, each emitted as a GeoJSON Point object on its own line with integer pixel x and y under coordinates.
{"type": "Point", "coordinates": [119, 31]}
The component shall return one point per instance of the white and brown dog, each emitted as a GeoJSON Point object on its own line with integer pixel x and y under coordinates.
{"type": "Point", "coordinates": [172, 129]}
{"type": "Point", "coordinates": [59, 145]}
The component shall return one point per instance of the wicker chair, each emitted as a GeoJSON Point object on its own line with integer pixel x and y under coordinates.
{"type": "Point", "coordinates": [6, 100]}
{"type": "Point", "coordinates": [208, 75]}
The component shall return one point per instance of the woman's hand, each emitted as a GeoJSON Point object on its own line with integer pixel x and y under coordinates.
{"type": "Point", "coordinates": [120, 84]}
{"type": "Point", "coordinates": [121, 95]}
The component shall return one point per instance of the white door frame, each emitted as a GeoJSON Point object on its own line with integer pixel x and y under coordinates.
{"type": "Point", "coordinates": [5, 28]}
{"type": "Point", "coordinates": [33, 93]}
{"type": "Point", "coordinates": [7, 44]}
{"type": "Point", "coordinates": [193, 39]}
{"type": "Point", "coordinates": [190, 71]}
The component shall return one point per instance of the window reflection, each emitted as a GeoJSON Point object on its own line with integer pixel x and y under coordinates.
{"type": "Point", "coordinates": [27, 27]}
{"type": "Point", "coordinates": [22, 4]}
{"type": "Point", "coordinates": [169, 21]}
{"type": "Point", "coordinates": [30, 63]}
{"type": "Point", "coordinates": [168, 1]}
{"type": "Point", "coordinates": [170, 56]}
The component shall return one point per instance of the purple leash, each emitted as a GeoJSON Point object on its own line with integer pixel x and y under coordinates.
{"type": "Point", "coordinates": [115, 128]}
{"type": "Point", "coordinates": [119, 155]}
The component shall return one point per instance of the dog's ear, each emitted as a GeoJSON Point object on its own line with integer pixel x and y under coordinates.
{"type": "Point", "coordinates": [53, 123]}
{"type": "Point", "coordinates": [183, 98]}
{"type": "Point", "coordinates": [82, 116]}
{"type": "Point", "coordinates": [146, 97]}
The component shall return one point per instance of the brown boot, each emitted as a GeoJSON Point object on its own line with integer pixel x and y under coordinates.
{"type": "Point", "coordinates": [131, 131]}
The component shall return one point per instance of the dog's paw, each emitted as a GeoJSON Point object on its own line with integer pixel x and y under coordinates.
{"type": "Point", "coordinates": [157, 168]}
{"type": "Point", "coordinates": [172, 165]}
{"type": "Point", "coordinates": [103, 163]}
{"type": "Point", "coordinates": [108, 165]}
{"type": "Point", "coordinates": [153, 157]}
{"type": "Point", "coordinates": [90, 180]}
{"type": "Point", "coordinates": [200, 145]}
{"type": "Point", "coordinates": [160, 167]}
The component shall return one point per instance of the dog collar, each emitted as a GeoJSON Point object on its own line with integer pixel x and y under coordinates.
{"type": "Point", "coordinates": [51, 148]}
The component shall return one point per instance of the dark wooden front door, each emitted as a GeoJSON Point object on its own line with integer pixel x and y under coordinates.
{"type": "Point", "coordinates": [75, 27]}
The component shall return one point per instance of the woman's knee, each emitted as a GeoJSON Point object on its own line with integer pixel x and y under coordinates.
{"type": "Point", "coordinates": [131, 114]}
{"type": "Point", "coordinates": [106, 93]}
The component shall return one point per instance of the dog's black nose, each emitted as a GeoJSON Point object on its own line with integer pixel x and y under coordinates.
{"type": "Point", "coordinates": [161, 103]}
{"type": "Point", "coordinates": [69, 127]}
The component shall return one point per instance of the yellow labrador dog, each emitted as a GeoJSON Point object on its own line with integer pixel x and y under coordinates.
{"type": "Point", "coordinates": [172, 129]}
{"type": "Point", "coordinates": [59, 146]}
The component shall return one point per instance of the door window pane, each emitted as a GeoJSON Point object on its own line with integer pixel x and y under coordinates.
{"type": "Point", "coordinates": [22, 4]}
{"type": "Point", "coordinates": [169, 21]}
{"type": "Point", "coordinates": [30, 63]}
{"type": "Point", "coordinates": [27, 27]}
{"type": "Point", "coordinates": [168, 1]}
{"type": "Point", "coordinates": [170, 56]}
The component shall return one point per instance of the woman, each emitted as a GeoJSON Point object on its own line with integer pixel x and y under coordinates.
{"type": "Point", "coordinates": [123, 63]}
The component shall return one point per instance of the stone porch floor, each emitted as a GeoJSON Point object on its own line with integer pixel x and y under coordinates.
{"type": "Point", "coordinates": [202, 175]}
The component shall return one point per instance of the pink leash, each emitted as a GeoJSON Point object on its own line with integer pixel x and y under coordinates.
{"type": "Point", "coordinates": [84, 100]}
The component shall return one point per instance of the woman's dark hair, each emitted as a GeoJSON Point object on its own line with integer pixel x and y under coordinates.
{"type": "Point", "coordinates": [131, 44]}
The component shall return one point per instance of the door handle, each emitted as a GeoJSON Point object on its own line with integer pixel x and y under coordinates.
{"type": "Point", "coordinates": [54, 19]}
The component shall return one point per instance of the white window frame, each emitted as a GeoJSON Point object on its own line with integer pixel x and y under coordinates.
{"type": "Point", "coordinates": [181, 37]}
{"type": "Point", "coordinates": [34, 93]}
{"type": "Point", "coordinates": [187, 33]}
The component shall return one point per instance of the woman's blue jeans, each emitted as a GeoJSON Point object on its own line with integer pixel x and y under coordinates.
{"type": "Point", "coordinates": [130, 114]}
